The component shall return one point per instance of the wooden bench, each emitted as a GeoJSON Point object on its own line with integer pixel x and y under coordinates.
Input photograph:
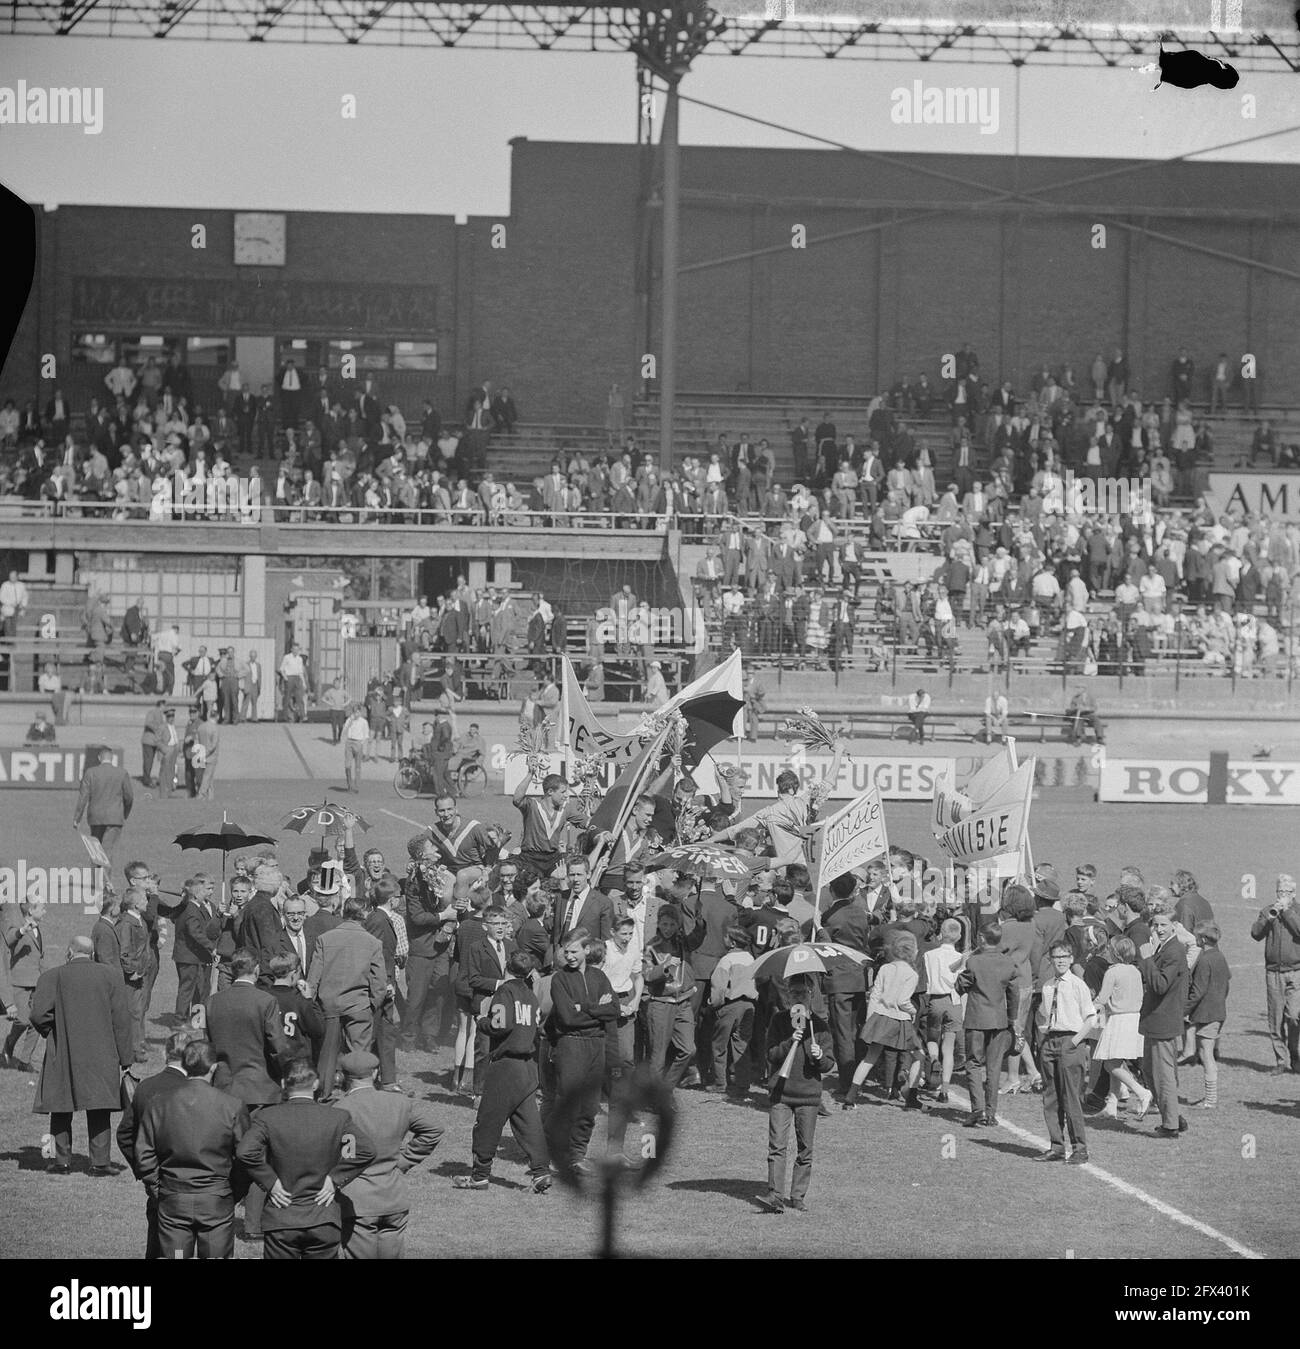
{"type": "Point", "coordinates": [948, 726]}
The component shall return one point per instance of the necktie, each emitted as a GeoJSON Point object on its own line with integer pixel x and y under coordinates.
{"type": "Point", "coordinates": [501, 955]}
{"type": "Point", "coordinates": [300, 946]}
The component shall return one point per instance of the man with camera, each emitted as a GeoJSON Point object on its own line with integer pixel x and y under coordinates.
{"type": "Point", "coordinates": [1278, 927]}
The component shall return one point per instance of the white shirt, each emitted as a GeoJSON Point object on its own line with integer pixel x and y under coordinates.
{"type": "Point", "coordinates": [291, 667]}
{"type": "Point", "coordinates": [621, 967]}
{"type": "Point", "coordinates": [291, 380]}
{"type": "Point", "coordinates": [940, 976]}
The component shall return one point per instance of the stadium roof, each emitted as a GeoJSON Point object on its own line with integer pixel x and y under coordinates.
{"type": "Point", "coordinates": [1018, 32]}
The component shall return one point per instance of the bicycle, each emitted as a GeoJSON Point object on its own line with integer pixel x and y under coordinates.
{"type": "Point", "coordinates": [415, 778]}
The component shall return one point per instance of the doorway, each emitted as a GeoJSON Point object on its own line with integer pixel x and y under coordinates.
{"type": "Point", "coordinates": [256, 357]}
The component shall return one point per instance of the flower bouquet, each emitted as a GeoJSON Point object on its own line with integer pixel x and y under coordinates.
{"type": "Point", "coordinates": [807, 730]}
{"type": "Point", "coordinates": [587, 775]}
{"type": "Point", "coordinates": [532, 744]}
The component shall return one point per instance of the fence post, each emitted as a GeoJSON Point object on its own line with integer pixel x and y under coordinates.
{"type": "Point", "coordinates": [893, 675]}
{"type": "Point", "coordinates": [1290, 642]}
{"type": "Point", "coordinates": [1178, 652]}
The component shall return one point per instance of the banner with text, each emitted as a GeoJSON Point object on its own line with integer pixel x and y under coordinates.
{"type": "Point", "coordinates": [895, 779]}
{"type": "Point", "coordinates": [1273, 494]}
{"type": "Point", "coordinates": [852, 837]}
{"type": "Point", "coordinates": [999, 825]}
{"type": "Point", "coordinates": [1187, 782]}
{"type": "Point", "coordinates": [48, 767]}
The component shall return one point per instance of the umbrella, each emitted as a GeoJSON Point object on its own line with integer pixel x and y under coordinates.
{"type": "Point", "coordinates": [706, 859]}
{"type": "Point", "coordinates": [823, 957]}
{"type": "Point", "coordinates": [327, 817]}
{"type": "Point", "coordinates": [226, 837]}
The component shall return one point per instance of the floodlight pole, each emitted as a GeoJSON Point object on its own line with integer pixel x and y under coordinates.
{"type": "Point", "coordinates": [671, 148]}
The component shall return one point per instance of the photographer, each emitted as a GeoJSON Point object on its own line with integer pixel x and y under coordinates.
{"type": "Point", "coordinates": [1278, 927]}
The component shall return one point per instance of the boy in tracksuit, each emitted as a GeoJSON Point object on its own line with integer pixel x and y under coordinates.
{"type": "Point", "coordinates": [582, 1004]}
{"type": "Point", "coordinates": [511, 1023]}
{"type": "Point", "coordinates": [802, 1041]}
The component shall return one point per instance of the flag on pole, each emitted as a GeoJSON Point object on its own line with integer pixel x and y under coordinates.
{"type": "Point", "coordinates": [999, 824]}
{"type": "Point", "coordinates": [712, 707]}
{"type": "Point", "coordinates": [615, 810]}
{"type": "Point", "coordinates": [581, 735]}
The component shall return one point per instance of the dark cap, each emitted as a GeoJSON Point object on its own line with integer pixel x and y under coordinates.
{"type": "Point", "coordinates": [357, 1064]}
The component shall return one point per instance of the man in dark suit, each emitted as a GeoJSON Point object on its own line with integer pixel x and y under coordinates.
{"type": "Point", "coordinates": [483, 972]}
{"type": "Point", "coordinates": [105, 798]}
{"type": "Point", "coordinates": [992, 1005]}
{"type": "Point", "coordinates": [290, 384]}
{"type": "Point", "coordinates": [260, 928]}
{"type": "Point", "coordinates": [160, 1084]}
{"type": "Point", "coordinates": [302, 1153]}
{"type": "Point", "coordinates": [429, 907]}
{"type": "Point", "coordinates": [375, 1206]}
{"type": "Point", "coordinates": [848, 921]}
{"type": "Point", "coordinates": [23, 962]}
{"type": "Point", "coordinates": [387, 925]}
{"type": "Point", "coordinates": [583, 906]}
{"type": "Point", "coordinates": [245, 418]}
{"type": "Point", "coordinates": [1164, 1000]}
{"type": "Point", "coordinates": [247, 1034]}
{"type": "Point", "coordinates": [198, 929]}
{"type": "Point", "coordinates": [185, 1155]}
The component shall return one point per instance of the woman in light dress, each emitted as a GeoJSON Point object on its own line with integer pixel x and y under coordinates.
{"type": "Point", "coordinates": [1120, 1003]}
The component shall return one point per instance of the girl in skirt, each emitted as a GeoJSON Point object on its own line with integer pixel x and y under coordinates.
{"type": "Point", "coordinates": [890, 1028]}
{"type": "Point", "coordinates": [1120, 1002]}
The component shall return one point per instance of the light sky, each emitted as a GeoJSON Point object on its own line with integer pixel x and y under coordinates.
{"type": "Point", "coordinates": [237, 125]}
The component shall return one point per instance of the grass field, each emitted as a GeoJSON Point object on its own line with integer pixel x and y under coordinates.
{"type": "Point", "coordinates": [884, 1183]}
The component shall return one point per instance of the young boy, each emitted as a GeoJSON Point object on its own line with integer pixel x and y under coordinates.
{"type": "Point", "coordinates": [582, 1002]}
{"type": "Point", "coordinates": [943, 1021]}
{"type": "Point", "coordinates": [669, 988]}
{"type": "Point", "coordinates": [1207, 1005]}
{"type": "Point", "coordinates": [732, 995]}
{"type": "Point", "coordinates": [510, 1023]}
{"type": "Point", "coordinates": [798, 1058]}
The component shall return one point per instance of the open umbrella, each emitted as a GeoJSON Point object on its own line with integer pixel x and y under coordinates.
{"type": "Point", "coordinates": [327, 817]}
{"type": "Point", "coordinates": [226, 837]}
{"type": "Point", "coordinates": [706, 860]}
{"type": "Point", "coordinates": [823, 957]}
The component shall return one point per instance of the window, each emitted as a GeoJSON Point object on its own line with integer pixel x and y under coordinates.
{"type": "Point", "coordinates": [369, 355]}
{"type": "Point", "coordinates": [304, 352]}
{"type": "Point", "coordinates": [207, 351]}
{"type": "Point", "coordinates": [415, 356]}
{"type": "Point", "coordinates": [93, 349]}
{"type": "Point", "coordinates": [138, 349]}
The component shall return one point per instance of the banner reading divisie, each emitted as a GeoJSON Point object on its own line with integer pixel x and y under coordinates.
{"type": "Point", "coordinates": [852, 837]}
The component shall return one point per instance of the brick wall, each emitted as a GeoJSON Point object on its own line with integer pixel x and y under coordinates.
{"type": "Point", "coordinates": [556, 314]}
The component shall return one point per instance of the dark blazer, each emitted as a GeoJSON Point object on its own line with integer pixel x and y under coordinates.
{"type": "Point", "coordinates": [1193, 908]}
{"type": "Point", "coordinates": [1164, 992]}
{"type": "Point", "coordinates": [596, 914]}
{"type": "Point", "coordinates": [186, 1140]}
{"type": "Point", "coordinates": [379, 926]}
{"type": "Point", "coordinates": [198, 929]}
{"type": "Point", "coordinates": [299, 1143]}
{"type": "Point", "coordinates": [108, 950]}
{"type": "Point", "coordinates": [314, 929]}
{"type": "Point", "coordinates": [105, 797]}
{"type": "Point", "coordinates": [246, 1031]}
{"type": "Point", "coordinates": [1207, 993]}
{"type": "Point", "coordinates": [160, 1084]}
{"type": "Point", "coordinates": [993, 1000]}
{"type": "Point", "coordinates": [480, 972]}
{"type": "Point", "coordinates": [261, 930]}
{"type": "Point", "coordinates": [424, 913]}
